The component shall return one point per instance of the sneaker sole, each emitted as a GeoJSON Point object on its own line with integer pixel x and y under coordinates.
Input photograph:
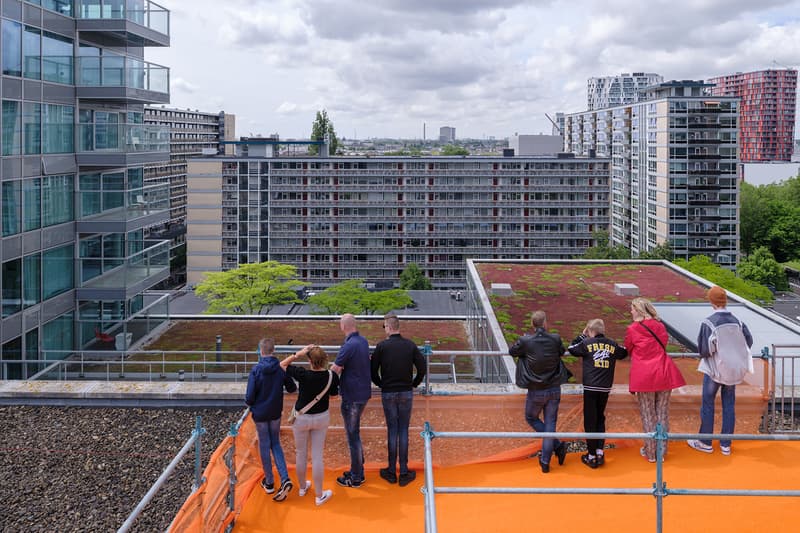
{"type": "Point", "coordinates": [699, 449]}
{"type": "Point", "coordinates": [325, 497]}
{"type": "Point", "coordinates": [283, 492]}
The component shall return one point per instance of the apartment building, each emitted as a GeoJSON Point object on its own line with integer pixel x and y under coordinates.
{"type": "Point", "coordinates": [610, 91]}
{"type": "Point", "coordinates": [447, 134]}
{"type": "Point", "coordinates": [337, 218]}
{"type": "Point", "coordinates": [767, 110]}
{"type": "Point", "coordinates": [192, 133]}
{"type": "Point", "coordinates": [673, 169]}
{"type": "Point", "coordinates": [75, 260]}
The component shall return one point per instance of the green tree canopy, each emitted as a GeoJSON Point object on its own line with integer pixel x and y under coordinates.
{"type": "Point", "coordinates": [451, 149]}
{"type": "Point", "coordinates": [704, 267]}
{"type": "Point", "coordinates": [351, 297]}
{"type": "Point", "coordinates": [250, 289]}
{"type": "Point", "coordinates": [603, 249]}
{"type": "Point", "coordinates": [761, 267]}
{"type": "Point", "coordinates": [770, 216]}
{"type": "Point", "coordinates": [662, 251]}
{"type": "Point", "coordinates": [322, 125]}
{"type": "Point", "coordinates": [413, 278]}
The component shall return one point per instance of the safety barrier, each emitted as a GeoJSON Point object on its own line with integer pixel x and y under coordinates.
{"type": "Point", "coordinates": [196, 441]}
{"type": "Point", "coordinates": [232, 470]}
{"type": "Point", "coordinates": [659, 490]}
{"type": "Point", "coordinates": [784, 389]}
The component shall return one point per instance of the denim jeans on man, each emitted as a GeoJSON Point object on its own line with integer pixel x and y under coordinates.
{"type": "Point", "coordinates": [351, 416]}
{"type": "Point", "coordinates": [397, 410]}
{"type": "Point", "coordinates": [710, 388]}
{"type": "Point", "coordinates": [269, 440]}
{"type": "Point", "coordinates": [546, 400]}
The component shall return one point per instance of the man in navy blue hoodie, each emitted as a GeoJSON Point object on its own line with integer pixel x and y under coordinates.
{"type": "Point", "coordinates": [265, 397]}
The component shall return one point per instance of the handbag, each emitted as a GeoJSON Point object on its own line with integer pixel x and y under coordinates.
{"type": "Point", "coordinates": [294, 412]}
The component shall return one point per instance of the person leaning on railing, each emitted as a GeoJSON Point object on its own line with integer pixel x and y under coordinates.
{"type": "Point", "coordinates": [653, 373]}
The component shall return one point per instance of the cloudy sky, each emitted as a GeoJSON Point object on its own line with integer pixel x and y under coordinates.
{"type": "Point", "coordinates": [382, 68]}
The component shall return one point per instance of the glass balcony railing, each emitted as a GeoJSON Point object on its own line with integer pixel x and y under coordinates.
{"type": "Point", "coordinates": [120, 71]}
{"type": "Point", "coordinates": [122, 205]}
{"type": "Point", "coordinates": [142, 12]}
{"type": "Point", "coordinates": [125, 138]}
{"type": "Point", "coordinates": [127, 272]}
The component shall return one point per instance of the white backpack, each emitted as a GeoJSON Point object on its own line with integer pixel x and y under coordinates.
{"type": "Point", "coordinates": [730, 356]}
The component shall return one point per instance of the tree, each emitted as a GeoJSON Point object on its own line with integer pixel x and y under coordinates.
{"type": "Point", "coordinates": [704, 267]}
{"type": "Point", "coordinates": [662, 251]}
{"type": "Point", "coordinates": [761, 267]}
{"type": "Point", "coordinates": [770, 216]}
{"type": "Point", "coordinates": [413, 278]}
{"type": "Point", "coordinates": [451, 149]}
{"type": "Point", "coordinates": [250, 289]}
{"type": "Point", "coordinates": [322, 125]}
{"type": "Point", "coordinates": [351, 297]}
{"type": "Point", "coordinates": [603, 249]}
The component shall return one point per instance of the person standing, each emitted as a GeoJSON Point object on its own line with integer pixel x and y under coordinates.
{"type": "Point", "coordinates": [352, 364]}
{"type": "Point", "coordinates": [393, 364]}
{"type": "Point", "coordinates": [600, 355]}
{"type": "Point", "coordinates": [724, 344]}
{"type": "Point", "coordinates": [317, 385]}
{"type": "Point", "coordinates": [264, 395]}
{"type": "Point", "coordinates": [541, 371]}
{"type": "Point", "coordinates": [653, 373]}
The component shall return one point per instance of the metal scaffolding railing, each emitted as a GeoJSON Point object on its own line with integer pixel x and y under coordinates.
{"type": "Point", "coordinates": [659, 490]}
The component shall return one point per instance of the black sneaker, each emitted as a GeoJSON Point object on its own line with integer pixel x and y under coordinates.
{"type": "Point", "coordinates": [545, 466]}
{"type": "Point", "coordinates": [601, 460]}
{"type": "Point", "coordinates": [388, 475]}
{"type": "Point", "coordinates": [561, 453]}
{"type": "Point", "coordinates": [283, 492]}
{"type": "Point", "coordinates": [269, 488]}
{"type": "Point", "coordinates": [407, 478]}
{"type": "Point", "coordinates": [589, 460]}
{"type": "Point", "coordinates": [346, 480]}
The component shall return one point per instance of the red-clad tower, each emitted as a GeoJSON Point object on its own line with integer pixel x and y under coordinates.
{"type": "Point", "coordinates": [766, 112]}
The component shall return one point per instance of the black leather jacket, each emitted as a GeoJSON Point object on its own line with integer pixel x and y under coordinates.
{"type": "Point", "coordinates": [539, 365]}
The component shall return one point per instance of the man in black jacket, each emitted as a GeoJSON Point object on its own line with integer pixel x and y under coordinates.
{"type": "Point", "coordinates": [393, 364]}
{"type": "Point", "coordinates": [600, 355]}
{"type": "Point", "coordinates": [540, 370]}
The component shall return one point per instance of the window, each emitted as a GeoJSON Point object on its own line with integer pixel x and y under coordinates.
{"type": "Point", "coordinates": [58, 128]}
{"type": "Point", "coordinates": [56, 58]}
{"type": "Point", "coordinates": [12, 287]}
{"type": "Point", "coordinates": [31, 200]}
{"type": "Point", "coordinates": [32, 127]}
{"type": "Point", "coordinates": [57, 271]}
{"type": "Point", "coordinates": [57, 199]}
{"type": "Point", "coordinates": [12, 208]}
{"type": "Point", "coordinates": [32, 53]}
{"type": "Point", "coordinates": [12, 48]}
{"type": "Point", "coordinates": [31, 279]}
{"type": "Point", "coordinates": [12, 127]}
{"type": "Point", "coordinates": [58, 335]}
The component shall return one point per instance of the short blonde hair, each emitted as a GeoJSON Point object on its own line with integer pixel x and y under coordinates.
{"type": "Point", "coordinates": [538, 318]}
{"type": "Point", "coordinates": [645, 308]}
{"type": "Point", "coordinates": [266, 346]}
{"type": "Point", "coordinates": [597, 325]}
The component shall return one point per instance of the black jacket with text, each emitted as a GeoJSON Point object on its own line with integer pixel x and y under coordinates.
{"type": "Point", "coordinates": [599, 355]}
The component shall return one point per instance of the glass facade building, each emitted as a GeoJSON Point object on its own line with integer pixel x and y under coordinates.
{"type": "Point", "coordinates": [75, 259]}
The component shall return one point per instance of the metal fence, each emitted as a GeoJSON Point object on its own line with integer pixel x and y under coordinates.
{"type": "Point", "coordinates": [784, 389]}
{"type": "Point", "coordinates": [659, 489]}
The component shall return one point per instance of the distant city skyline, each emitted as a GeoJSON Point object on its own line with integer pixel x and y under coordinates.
{"type": "Point", "coordinates": [485, 67]}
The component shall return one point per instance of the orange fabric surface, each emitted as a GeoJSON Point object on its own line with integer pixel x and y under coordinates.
{"type": "Point", "coordinates": [378, 506]}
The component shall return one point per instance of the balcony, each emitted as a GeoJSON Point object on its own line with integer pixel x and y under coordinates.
{"type": "Point", "coordinates": [124, 22]}
{"type": "Point", "coordinates": [120, 211]}
{"type": "Point", "coordinates": [120, 145]}
{"type": "Point", "coordinates": [121, 78]}
{"type": "Point", "coordinates": [122, 279]}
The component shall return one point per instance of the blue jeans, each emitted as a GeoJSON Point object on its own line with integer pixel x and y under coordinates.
{"type": "Point", "coordinates": [546, 400]}
{"type": "Point", "coordinates": [397, 410]}
{"type": "Point", "coordinates": [269, 440]}
{"type": "Point", "coordinates": [710, 388]}
{"type": "Point", "coordinates": [351, 416]}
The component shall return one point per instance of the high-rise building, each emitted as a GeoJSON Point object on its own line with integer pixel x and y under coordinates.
{"type": "Point", "coordinates": [339, 218]}
{"type": "Point", "coordinates": [674, 169]}
{"type": "Point", "coordinates": [767, 108]}
{"type": "Point", "coordinates": [610, 91]}
{"type": "Point", "coordinates": [191, 134]}
{"type": "Point", "coordinates": [75, 260]}
{"type": "Point", "coordinates": [447, 134]}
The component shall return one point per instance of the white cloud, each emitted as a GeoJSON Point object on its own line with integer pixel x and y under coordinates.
{"type": "Point", "coordinates": [487, 67]}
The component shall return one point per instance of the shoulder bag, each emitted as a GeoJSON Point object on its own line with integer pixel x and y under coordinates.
{"type": "Point", "coordinates": [293, 414]}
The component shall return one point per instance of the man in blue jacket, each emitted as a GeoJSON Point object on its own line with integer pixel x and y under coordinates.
{"type": "Point", "coordinates": [265, 397]}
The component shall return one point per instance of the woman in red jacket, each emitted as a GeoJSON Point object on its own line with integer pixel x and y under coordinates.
{"type": "Point", "coordinates": [653, 373]}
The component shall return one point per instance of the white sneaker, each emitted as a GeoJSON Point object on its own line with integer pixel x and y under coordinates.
{"type": "Point", "coordinates": [326, 495]}
{"type": "Point", "coordinates": [701, 446]}
{"type": "Point", "coordinates": [726, 450]}
{"type": "Point", "coordinates": [302, 491]}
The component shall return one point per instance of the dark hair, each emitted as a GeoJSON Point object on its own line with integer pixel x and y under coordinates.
{"type": "Point", "coordinates": [266, 346]}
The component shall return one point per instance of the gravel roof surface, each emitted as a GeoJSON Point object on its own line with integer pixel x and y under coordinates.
{"type": "Point", "coordinates": [86, 469]}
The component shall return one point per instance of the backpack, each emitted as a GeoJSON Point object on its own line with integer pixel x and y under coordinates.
{"type": "Point", "coordinates": [730, 356]}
